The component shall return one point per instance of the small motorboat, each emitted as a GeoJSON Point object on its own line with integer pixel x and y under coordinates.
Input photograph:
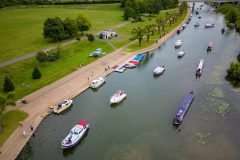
{"type": "Point", "coordinates": [197, 24]}
{"type": "Point", "coordinates": [158, 70]}
{"type": "Point", "coordinates": [200, 67]}
{"type": "Point", "coordinates": [210, 45]}
{"type": "Point", "coordinates": [76, 134]}
{"type": "Point", "coordinates": [118, 97]}
{"type": "Point", "coordinates": [183, 108]}
{"type": "Point", "coordinates": [184, 26]}
{"type": "Point", "coordinates": [208, 25]}
{"type": "Point", "coordinates": [97, 82]}
{"type": "Point", "coordinates": [181, 54]}
{"type": "Point", "coordinates": [178, 43]}
{"type": "Point", "coordinates": [62, 106]}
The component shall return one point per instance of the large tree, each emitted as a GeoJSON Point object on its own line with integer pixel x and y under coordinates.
{"type": "Point", "coordinates": [83, 24]}
{"type": "Point", "coordinates": [70, 27]}
{"type": "Point", "coordinates": [150, 29]}
{"type": "Point", "coordinates": [138, 33]}
{"type": "Point", "coordinates": [53, 29]}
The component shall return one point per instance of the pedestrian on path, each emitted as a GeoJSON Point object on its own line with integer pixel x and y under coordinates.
{"type": "Point", "coordinates": [108, 67]}
{"type": "Point", "coordinates": [88, 79]}
{"type": "Point", "coordinates": [92, 73]}
{"type": "Point", "coordinates": [24, 133]}
{"type": "Point", "coordinates": [21, 123]}
{"type": "Point", "coordinates": [31, 127]}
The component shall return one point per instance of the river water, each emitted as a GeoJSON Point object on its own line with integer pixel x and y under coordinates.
{"type": "Point", "coordinates": [140, 128]}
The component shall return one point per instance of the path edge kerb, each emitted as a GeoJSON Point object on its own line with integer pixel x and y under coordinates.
{"type": "Point", "coordinates": [13, 146]}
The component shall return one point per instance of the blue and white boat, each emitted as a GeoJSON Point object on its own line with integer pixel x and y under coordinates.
{"type": "Point", "coordinates": [138, 57]}
{"type": "Point", "coordinates": [183, 108]}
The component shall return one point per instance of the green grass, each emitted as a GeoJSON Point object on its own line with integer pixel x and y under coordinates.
{"type": "Point", "coordinates": [153, 39]}
{"type": "Point", "coordinates": [10, 121]}
{"type": "Point", "coordinates": [21, 27]}
{"type": "Point", "coordinates": [71, 56]}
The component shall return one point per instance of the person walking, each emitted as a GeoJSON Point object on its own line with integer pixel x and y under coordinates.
{"type": "Point", "coordinates": [31, 127]}
{"type": "Point", "coordinates": [20, 123]}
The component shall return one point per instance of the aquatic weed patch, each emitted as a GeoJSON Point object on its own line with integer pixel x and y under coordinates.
{"type": "Point", "coordinates": [218, 105]}
{"type": "Point", "coordinates": [203, 138]}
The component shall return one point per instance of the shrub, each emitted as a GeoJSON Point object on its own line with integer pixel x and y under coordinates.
{"type": "Point", "coordinates": [110, 37]}
{"type": "Point", "coordinates": [8, 85]}
{"type": "Point", "coordinates": [101, 36]}
{"type": "Point", "coordinates": [36, 73]}
{"type": "Point", "coordinates": [42, 57]}
{"type": "Point", "coordinates": [53, 55]}
{"type": "Point", "coordinates": [90, 37]}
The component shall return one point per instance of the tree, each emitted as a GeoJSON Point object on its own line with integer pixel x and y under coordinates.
{"type": "Point", "coordinates": [90, 37]}
{"type": "Point", "coordinates": [128, 12]}
{"type": "Point", "coordinates": [70, 27]}
{"type": "Point", "coordinates": [53, 29]}
{"type": "Point", "coordinates": [138, 33]}
{"type": "Point", "coordinates": [232, 15]}
{"type": "Point", "coordinates": [4, 102]}
{"type": "Point", "coordinates": [150, 29]}
{"type": "Point", "coordinates": [36, 74]}
{"type": "Point", "coordinates": [182, 7]}
{"type": "Point", "coordinates": [83, 24]}
{"type": "Point", "coordinates": [160, 22]}
{"type": "Point", "coordinates": [8, 85]}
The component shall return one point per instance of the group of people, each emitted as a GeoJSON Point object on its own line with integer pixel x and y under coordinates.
{"type": "Point", "coordinates": [24, 131]}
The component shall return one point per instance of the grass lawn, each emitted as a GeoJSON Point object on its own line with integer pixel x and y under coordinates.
{"type": "Point", "coordinates": [10, 121]}
{"type": "Point", "coordinates": [21, 27]}
{"type": "Point", "coordinates": [71, 56]}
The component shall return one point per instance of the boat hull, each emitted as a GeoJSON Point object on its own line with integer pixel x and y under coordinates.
{"type": "Point", "coordinates": [57, 111]}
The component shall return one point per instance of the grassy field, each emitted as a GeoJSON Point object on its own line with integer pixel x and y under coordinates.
{"type": "Point", "coordinates": [10, 121]}
{"type": "Point", "coordinates": [71, 56]}
{"type": "Point", "coordinates": [21, 27]}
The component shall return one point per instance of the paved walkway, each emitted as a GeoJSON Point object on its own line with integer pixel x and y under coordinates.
{"type": "Point", "coordinates": [68, 87]}
{"type": "Point", "coordinates": [26, 56]}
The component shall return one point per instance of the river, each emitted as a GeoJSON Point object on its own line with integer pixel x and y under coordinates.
{"type": "Point", "coordinates": [140, 128]}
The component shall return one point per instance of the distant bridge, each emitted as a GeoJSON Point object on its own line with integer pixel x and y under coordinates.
{"type": "Point", "coordinates": [220, 1]}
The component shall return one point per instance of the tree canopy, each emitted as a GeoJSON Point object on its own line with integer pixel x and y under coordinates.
{"type": "Point", "coordinates": [83, 24]}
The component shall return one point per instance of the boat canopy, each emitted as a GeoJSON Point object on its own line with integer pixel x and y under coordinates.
{"type": "Point", "coordinates": [83, 123]}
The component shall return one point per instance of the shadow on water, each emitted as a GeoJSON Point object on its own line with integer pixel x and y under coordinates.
{"type": "Point", "coordinates": [68, 151]}
{"type": "Point", "coordinates": [115, 105]}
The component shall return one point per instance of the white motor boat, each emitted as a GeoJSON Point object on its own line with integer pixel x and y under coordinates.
{"type": "Point", "coordinates": [178, 43]}
{"type": "Point", "coordinates": [97, 82]}
{"type": "Point", "coordinates": [196, 24]}
{"type": "Point", "coordinates": [208, 25]}
{"type": "Point", "coordinates": [62, 106]}
{"type": "Point", "coordinates": [118, 97]}
{"type": "Point", "coordinates": [200, 67]}
{"type": "Point", "coordinates": [181, 53]}
{"type": "Point", "coordinates": [76, 134]}
{"type": "Point", "coordinates": [158, 70]}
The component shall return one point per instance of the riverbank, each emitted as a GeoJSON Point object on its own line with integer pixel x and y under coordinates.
{"type": "Point", "coordinates": [67, 87]}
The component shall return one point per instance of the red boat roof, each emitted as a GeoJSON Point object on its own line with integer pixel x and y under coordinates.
{"type": "Point", "coordinates": [133, 62]}
{"type": "Point", "coordinates": [83, 122]}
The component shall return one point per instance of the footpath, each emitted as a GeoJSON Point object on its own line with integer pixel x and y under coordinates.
{"type": "Point", "coordinates": [40, 102]}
